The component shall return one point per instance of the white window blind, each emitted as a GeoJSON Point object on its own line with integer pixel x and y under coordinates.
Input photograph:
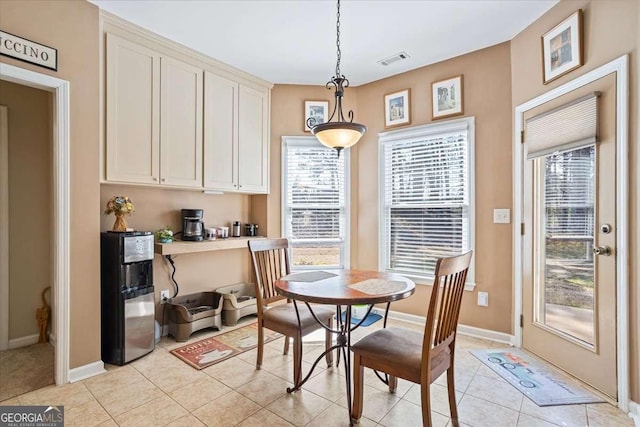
{"type": "Point", "coordinates": [569, 194]}
{"type": "Point", "coordinates": [426, 196]}
{"type": "Point", "coordinates": [570, 126]}
{"type": "Point", "coordinates": [314, 210]}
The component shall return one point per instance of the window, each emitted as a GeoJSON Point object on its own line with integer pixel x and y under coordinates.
{"type": "Point", "coordinates": [315, 215]}
{"type": "Point", "coordinates": [426, 194]}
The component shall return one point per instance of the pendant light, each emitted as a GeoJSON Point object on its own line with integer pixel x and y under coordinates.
{"type": "Point", "coordinates": [341, 133]}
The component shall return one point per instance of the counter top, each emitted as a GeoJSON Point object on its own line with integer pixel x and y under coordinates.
{"type": "Point", "coordinates": [182, 247]}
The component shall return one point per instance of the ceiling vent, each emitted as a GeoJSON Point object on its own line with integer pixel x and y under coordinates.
{"type": "Point", "coordinates": [395, 58]}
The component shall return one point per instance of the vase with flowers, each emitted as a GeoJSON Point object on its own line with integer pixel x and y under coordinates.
{"type": "Point", "coordinates": [119, 206]}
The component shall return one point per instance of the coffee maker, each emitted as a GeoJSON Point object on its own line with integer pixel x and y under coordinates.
{"type": "Point", "coordinates": [192, 225]}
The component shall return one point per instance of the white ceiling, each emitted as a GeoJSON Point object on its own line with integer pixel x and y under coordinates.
{"type": "Point", "coordinates": [294, 41]}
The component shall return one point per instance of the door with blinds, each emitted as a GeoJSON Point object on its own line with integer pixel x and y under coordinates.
{"type": "Point", "coordinates": [569, 262]}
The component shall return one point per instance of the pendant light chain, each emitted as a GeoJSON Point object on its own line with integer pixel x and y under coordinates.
{"type": "Point", "coordinates": [338, 41]}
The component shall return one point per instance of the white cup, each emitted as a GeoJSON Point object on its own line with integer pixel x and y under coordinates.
{"type": "Point", "coordinates": [223, 232]}
{"type": "Point", "coordinates": [210, 233]}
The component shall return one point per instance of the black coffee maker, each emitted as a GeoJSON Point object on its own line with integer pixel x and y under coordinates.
{"type": "Point", "coordinates": [192, 225]}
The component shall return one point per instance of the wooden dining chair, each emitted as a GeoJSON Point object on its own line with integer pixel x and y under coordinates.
{"type": "Point", "coordinates": [270, 259]}
{"type": "Point", "coordinates": [416, 357]}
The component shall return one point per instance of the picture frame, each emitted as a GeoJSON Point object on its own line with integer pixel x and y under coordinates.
{"type": "Point", "coordinates": [447, 98]}
{"type": "Point", "coordinates": [397, 109]}
{"type": "Point", "coordinates": [562, 48]}
{"type": "Point", "coordinates": [318, 110]}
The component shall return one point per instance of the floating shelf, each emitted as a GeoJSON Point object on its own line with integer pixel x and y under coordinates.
{"type": "Point", "coordinates": [182, 247]}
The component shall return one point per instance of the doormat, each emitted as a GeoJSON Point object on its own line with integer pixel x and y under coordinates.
{"type": "Point", "coordinates": [368, 321]}
{"type": "Point", "coordinates": [209, 351]}
{"type": "Point", "coordinates": [544, 386]}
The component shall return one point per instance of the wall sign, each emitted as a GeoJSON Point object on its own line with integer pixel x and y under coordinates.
{"type": "Point", "coordinates": [28, 51]}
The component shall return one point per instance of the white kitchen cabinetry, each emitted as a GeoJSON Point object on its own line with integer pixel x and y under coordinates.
{"type": "Point", "coordinates": [220, 133]}
{"type": "Point", "coordinates": [236, 126]}
{"type": "Point", "coordinates": [180, 124]}
{"type": "Point", "coordinates": [154, 117]}
{"type": "Point", "coordinates": [133, 113]}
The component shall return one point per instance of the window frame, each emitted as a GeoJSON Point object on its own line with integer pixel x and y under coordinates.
{"type": "Point", "coordinates": [345, 252]}
{"type": "Point", "coordinates": [413, 134]}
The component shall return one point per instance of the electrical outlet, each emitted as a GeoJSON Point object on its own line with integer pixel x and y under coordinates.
{"type": "Point", "coordinates": [501, 216]}
{"type": "Point", "coordinates": [164, 296]}
{"type": "Point", "coordinates": [483, 299]}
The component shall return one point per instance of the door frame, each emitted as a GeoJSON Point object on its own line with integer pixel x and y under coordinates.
{"type": "Point", "coordinates": [61, 208]}
{"type": "Point", "coordinates": [621, 67]}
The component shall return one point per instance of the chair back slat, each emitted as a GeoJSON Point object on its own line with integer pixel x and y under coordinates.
{"type": "Point", "coordinates": [445, 301]}
{"type": "Point", "coordinates": [270, 258]}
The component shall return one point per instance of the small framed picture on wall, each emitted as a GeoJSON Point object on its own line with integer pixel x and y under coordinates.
{"type": "Point", "coordinates": [562, 48]}
{"type": "Point", "coordinates": [315, 113]}
{"type": "Point", "coordinates": [446, 97]}
{"type": "Point", "coordinates": [396, 109]}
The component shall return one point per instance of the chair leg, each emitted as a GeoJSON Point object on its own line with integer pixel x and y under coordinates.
{"type": "Point", "coordinates": [453, 407]}
{"type": "Point", "coordinates": [260, 346]}
{"type": "Point", "coordinates": [297, 360]}
{"type": "Point", "coordinates": [358, 389]}
{"type": "Point", "coordinates": [425, 395]}
{"type": "Point", "coordinates": [285, 351]}
{"type": "Point", "coordinates": [393, 384]}
{"type": "Point", "coordinates": [328, 341]}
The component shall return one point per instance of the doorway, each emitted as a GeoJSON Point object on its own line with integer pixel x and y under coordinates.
{"type": "Point", "coordinates": [571, 258]}
{"type": "Point", "coordinates": [61, 214]}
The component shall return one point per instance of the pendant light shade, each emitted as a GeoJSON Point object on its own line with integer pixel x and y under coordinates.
{"type": "Point", "coordinates": [339, 134]}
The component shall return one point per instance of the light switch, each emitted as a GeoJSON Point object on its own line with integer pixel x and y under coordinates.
{"type": "Point", "coordinates": [501, 216]}
{"type": "Point", "coordinates": [483, 299]}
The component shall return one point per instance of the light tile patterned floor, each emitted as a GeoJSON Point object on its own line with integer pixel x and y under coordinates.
{"type": "Point", "coordinates": [160, 390]}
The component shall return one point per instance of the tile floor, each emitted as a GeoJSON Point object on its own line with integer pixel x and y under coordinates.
{"type": "Point", "coordinates": [160, 390]}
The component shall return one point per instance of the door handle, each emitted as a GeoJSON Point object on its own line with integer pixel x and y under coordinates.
{"type": "Point", "coordinates": [601, 250]}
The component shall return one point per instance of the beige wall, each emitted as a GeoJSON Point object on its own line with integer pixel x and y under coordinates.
{"type": "Point", "coordinates": [30, 203]}
{"type": "Point", "coordinates": [157, 208]}
{"type": "Point", "coordinates": [487, 97]}
{"type": "Point", "coordinates": [72, 28]}
{"type": "Point", "coordinates": [610, 30]}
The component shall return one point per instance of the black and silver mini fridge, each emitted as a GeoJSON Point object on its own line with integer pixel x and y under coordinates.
{"type": "Point", "coordinates": [127, 296]}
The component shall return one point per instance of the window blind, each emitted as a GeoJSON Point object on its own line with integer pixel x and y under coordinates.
{"type": "Point", "coordinates": [569, 126]}
{"type": "Point", "coordinates": [569, 194]}
{"type": "Point", "coordinates": [426, 188]}
{"type": "Point", "coordinates": [314, 211]}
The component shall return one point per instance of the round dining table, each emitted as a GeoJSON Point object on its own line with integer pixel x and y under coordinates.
{"type": "Point", "coordinates": [343, 288]}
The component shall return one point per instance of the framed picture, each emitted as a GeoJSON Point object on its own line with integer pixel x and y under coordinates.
{"type": "Point", "coordinates": [446, 97]}
{"type": "Point", "coordinates": [396, 109]}
{"type": "Point", "coordinates": [316, 110]}
{"type": "Point", "coordinates": [562, 48]}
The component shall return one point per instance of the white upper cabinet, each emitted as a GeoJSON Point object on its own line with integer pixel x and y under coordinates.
{"type": "Point", "coordinates": [236, 136]}
{"type": "Point", "coordinates": [133, 112]}
{"type": "Point", "coordinates": [180, 124]}
{"type": "Point", "coordinates": [220, 133]}
{"type": "Point", "coordinates": [178, 119]}
{"type": "Point", "coordinates": [253, 140]}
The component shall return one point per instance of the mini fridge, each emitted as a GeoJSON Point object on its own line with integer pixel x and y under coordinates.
{"type": "Point", "coordinates": [127, 296]}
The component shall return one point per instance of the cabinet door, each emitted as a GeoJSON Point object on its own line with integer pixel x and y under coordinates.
{"type": "Point", "coordinates": [253, 140]}
{"type": "Point", "coordinates": [180, 124]}
{"type": "Point", "coordinates": [132, 122]}
{"type": "Point", "coordinates": [220, 133]}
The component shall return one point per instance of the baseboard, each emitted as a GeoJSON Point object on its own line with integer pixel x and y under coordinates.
{"type": "Point", "coordinates": [86, 371]}
{"type": "Point", "coordinates": [24, 341]}
{"type": "Point", "coordinates": [471, 331]}
{"type": "Point", "coordinates": [634, 412]}
{"type": "Point", "coordinates": [52, 339]}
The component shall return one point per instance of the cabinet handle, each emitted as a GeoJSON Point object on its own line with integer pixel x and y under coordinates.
{"type": "Point", "coordinates": [155, 179]}
{"type": "Point", "coordinates": [163, 180]}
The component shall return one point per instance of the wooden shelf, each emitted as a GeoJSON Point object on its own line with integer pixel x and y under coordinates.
{"type": "Point", "coordinates": [181, 247]}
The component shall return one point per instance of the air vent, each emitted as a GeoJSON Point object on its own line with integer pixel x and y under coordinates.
{"type": "Point", "coordinates": [395, 58]}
